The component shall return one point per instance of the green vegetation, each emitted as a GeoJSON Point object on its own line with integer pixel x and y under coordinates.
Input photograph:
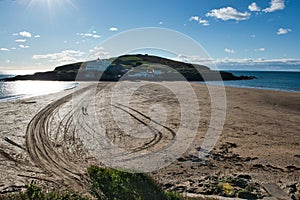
{"type": "Point", "coordinates": [106, 184]}
{"type": "Point", "coordinates": [34, 192]}
{"type": "Point", "coordinates": [114, 184]}
{"type": "Point", "coordinates": [238, 187]}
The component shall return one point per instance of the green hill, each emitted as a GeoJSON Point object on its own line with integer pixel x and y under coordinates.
{"type": "Point", "coordinates": [130, 67]}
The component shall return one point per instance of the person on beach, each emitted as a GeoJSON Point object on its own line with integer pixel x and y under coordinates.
{"type": "Point", "coordinates": [84, 110]}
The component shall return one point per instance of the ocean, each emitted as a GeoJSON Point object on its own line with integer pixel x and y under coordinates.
{"type": "Point", "coordinates": [25, 89]}
{"type": "Point", "coordinates": [267, 80]}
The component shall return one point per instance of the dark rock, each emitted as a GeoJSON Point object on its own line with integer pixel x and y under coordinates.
{"type": "Point", "coordinates": [168, 185]}
{"type": "Point", "coordinates": [180, 188]}
{"type": "Point", "coordinates": [246, 195]}
{"type": "Point", "coordinates": [244, 176]}
{"type": "Point", "coordinates": [193, 167]}
{"type": "Point", "coordinates": [191, 190]}
{"type": "Point", "coordinates": [292, 168]}
{"type": "Point", "coordinates": [240, 182]}
{"type": "Point", "coordinates": [181, 159]}
{"type": "Point", "coordinates": [257, 166]}
{"type": "Point", "coordinates": [191, 181]}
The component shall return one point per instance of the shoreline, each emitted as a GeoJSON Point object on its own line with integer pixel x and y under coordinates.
{"type": "Point", "coordinates": [253, 88]}
{"type": "Point", "coordinates": [252, 141]}
{"type": "Point", "coordinates": [17, 97]}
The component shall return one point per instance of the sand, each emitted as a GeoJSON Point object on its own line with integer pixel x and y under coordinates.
{"type": "Point", "coordinates": [52, 139]}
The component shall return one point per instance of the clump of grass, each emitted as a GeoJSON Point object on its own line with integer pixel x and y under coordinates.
{"type": "Point", "coordinates": [114, 184]}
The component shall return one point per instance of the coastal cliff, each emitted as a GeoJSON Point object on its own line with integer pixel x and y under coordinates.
{"type": "Point", "coordinates": [131, 67]}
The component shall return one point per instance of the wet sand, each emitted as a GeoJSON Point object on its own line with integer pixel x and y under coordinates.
{"type": "Point", "coordinates": [47, 142]}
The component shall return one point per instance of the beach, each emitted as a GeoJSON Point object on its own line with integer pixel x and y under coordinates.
{"type": "Point", "coordinates": [45, 139]}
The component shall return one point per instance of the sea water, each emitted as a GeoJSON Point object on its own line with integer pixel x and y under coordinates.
{"type": "Point", "coordinates": [24, 89]}
{"type": "Point", "coordinates": [268, 80]}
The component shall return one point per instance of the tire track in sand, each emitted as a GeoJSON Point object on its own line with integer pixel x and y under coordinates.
{"type": "Point", "coordinates": [43, 151]}
{"type": "Point", "coordinates": [60, 163]}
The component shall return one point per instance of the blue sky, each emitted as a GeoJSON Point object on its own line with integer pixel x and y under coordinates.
{"type": "Point", "coordinates": [237, 34]}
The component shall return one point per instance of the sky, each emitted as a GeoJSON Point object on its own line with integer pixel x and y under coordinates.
{"type": "Point", "coordinates": [236, 34]}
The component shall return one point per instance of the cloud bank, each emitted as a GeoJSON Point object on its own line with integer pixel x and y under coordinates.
{"type": "Point", "coordinates": [66, 56]}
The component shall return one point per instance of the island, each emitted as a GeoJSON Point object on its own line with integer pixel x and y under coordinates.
{"type": "Point", "coordinates": [131, 67]}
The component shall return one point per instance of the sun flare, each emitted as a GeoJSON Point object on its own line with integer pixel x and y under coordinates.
{"type": "Point", "coordinates": [51, 4]}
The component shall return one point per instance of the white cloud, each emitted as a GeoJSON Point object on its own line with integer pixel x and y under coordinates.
{"type": "Point", "coordinates": [227, 50]}
{"type": "Point", "coordinates": [283, 31]}
{"type": "Point", "coordinates": [23, 46]}
{"type": "Point", "coordinates": [7, 61]}
{"type": "Point", "coordinates": [13, 48]}
{"type": "Point", "coordinates": [253, 7]}
{"type": "Point", "coordinates": [260, 49]}
{"type": "Point", "coordinates": [90, 35]}
{"type": "Point", "coordinates": [4, 49]}
{"type": "Point", "coordinates": [37, 36]}
{"type": "Point", "coordinates": [66, 56]}
{"type": "Point", "coordinates": [113, 29]}
{"type": "Point", "coordinates": [204, 22]}
{"type": "Point", "coordinates": [243, 63]}
{"type": "Point", "coordinates": [97, 49]}
{"type": "Point", "coordinates": [98, 52]}
{"type": "Point", "coordinates": [161, 23]}
{"type": "Point", "coordinates": [251, 61]}
{"type": "Point", "coordinates": [193, 59]}
{"type": "Point", "coordinates": [199, 20]}
{"type": "Point", "coordinates": [258, 61]}
{"type": "Point", "coordinates": [20, 40]}
{"type": "Point", "coordinates": [275, 5]}
{"type": "Point", "coordinates": [25, 34]}
{"type": "Point", "coordinates": [194, 18]}
{"type": "Point", "coordinates": [228, 13]}
{"type": "Point", "coordinates": [15, 34]}
{"type": "Point", "coordinates": [96, 36]}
